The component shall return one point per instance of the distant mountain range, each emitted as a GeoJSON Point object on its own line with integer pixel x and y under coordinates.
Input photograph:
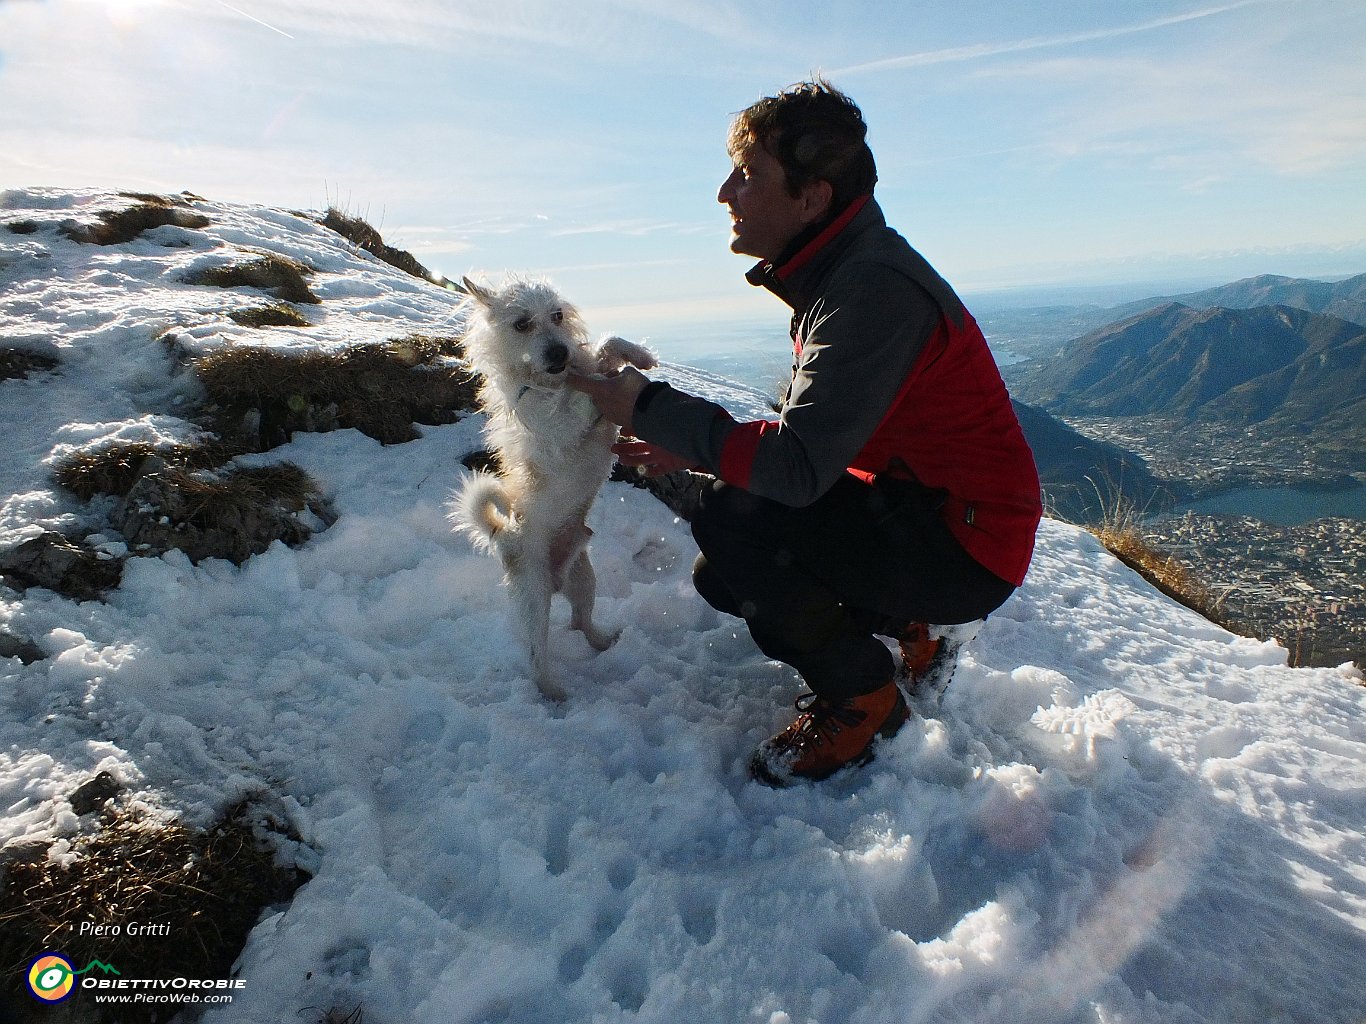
{"type": "Point", "coordinates": [1285, 369]}
{"type": "Point", "coordinates": [1344, 299]}
{"type": "Point", "coordinates": [1038, 332]}
{"type": "Point", "coordinates": [1174, 360]}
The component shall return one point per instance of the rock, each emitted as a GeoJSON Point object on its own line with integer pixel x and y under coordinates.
{"type": "Point", "coordinates": [680, 491]}
{"type": "Point", "coordinates": [24, 851]}
{"type": "Point", "coordinates": [91, 795]}
{"type": "Point", "coordinates": [208, 517]}
{"type": "Point", "coordinates": [61, 565]}
{"type": "Point", "coordinates": [482, 461]}
{"type": "Point", "coordinates": [20, 647]}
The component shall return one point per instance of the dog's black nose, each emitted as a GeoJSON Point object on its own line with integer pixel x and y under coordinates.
{"type": "Point", "coordinates": [556, 358]}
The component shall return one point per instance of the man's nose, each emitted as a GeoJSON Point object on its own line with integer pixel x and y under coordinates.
{"type": "Point", "coordinates": [726, 193]}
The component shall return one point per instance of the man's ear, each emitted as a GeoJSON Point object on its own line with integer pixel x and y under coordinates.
{"type": "Point", "coordinates": [817, 196]}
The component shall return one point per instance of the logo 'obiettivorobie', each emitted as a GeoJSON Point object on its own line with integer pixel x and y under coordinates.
{"type": "Point", "coordinates": [51, 977]}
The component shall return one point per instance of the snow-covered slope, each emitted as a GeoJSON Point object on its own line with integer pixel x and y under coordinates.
{"type": "Point", "coordinates": [1120, 813]}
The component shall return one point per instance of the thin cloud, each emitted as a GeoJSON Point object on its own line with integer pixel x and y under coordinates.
{"type": "Point", "coordinates": [980, 51]}
{"type": "Point", "coordinates": [252, 17]}
{"type": "Point", "coordinates": [636, 227]}
{"type": "Point", "coordinates": [579, 268]}
{"type": "Point", "coordinates": [1291, 120]}
{"type": "Point", "coordinates": [721, 20]}
{"type": "Point", "coordinates": [423, 23]}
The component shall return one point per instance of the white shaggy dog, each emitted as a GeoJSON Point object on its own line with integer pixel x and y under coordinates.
{"type": "Point", "coordinates": [553, 448]}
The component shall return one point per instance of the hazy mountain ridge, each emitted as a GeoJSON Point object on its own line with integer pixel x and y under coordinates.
{"type": "Point", "coordinates": [1280, 366]}
{"type": "Point", "coordinates": [1041, 331]}
{"type": "Point", "coordinates": [1344, 299]}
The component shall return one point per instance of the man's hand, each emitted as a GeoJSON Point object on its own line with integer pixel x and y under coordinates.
{"type": "Point", "coordinates": [652, 459]}
{"type": "Point", "coordinates": [614, 395]}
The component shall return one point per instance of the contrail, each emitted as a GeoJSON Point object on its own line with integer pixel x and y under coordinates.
{"type": "Point", "coordinates": [963, 53]}
{"type": "Point", "coordinates": [252, 17]}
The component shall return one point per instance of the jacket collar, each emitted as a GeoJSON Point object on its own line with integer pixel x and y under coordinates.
{"type": "Point", "coordinates": [812, 249]}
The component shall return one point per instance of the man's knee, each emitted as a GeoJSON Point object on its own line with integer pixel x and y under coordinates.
{"type": "Point", "coordinates": [716, 501]}
{"type": "Point", "coordinates": [744, 551]}
{"type": "Point", "coordinates": [712, 588]}
{"type": "Point", "coordinates": [726, 513]}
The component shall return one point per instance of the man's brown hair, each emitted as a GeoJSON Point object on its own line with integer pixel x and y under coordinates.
{"type": "Point", "coordinates": [816, 133]}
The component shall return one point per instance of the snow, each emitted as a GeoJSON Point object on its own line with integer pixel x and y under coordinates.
{"type": "Point", "coordinates": [1119, 813]}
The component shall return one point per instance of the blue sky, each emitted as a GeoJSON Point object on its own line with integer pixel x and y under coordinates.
{"type": "Point", "coordinates": [1018, 142]}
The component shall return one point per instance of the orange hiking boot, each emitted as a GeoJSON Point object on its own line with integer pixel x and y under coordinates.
{"type": "Point", "coordinates": [918, 651]}
{"type": "Point", "coordinates": [829, 734]}
{"type": "Point", "coordinates": [929, 654]}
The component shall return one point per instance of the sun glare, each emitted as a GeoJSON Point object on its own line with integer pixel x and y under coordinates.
{"type": "Point", "coordinates": [126, 14]}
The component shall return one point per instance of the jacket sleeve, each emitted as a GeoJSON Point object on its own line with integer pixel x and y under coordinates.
{"type": "Point", "coordinates": [859, 343]}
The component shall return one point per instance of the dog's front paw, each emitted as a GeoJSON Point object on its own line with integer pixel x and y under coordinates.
{"type": "Point", "coordinates": [613, 353]}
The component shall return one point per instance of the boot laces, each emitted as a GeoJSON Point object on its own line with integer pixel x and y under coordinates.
{"type": "Point", "coordinates": [823, 719]}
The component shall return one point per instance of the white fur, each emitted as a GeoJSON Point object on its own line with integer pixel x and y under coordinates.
{"type": "Point", "coordinates": [554, 451]}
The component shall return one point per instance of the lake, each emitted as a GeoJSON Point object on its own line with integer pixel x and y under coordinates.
{"type": "Point", "coordinates": [1283, 506]}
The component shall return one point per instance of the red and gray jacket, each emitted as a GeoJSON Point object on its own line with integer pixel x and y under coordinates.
{"type": "Point", "coordinates": [891, 376]}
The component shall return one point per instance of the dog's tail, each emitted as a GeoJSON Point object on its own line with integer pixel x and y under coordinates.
{"type": "Point", "coordinates": [482, 510]}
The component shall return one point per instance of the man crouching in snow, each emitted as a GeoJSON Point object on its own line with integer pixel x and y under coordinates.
{"type": "Point", "coordinates": [894, 490]}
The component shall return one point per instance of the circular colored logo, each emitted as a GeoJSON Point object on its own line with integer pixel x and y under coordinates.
{"type": "Point", "coordinates": [51, 977]}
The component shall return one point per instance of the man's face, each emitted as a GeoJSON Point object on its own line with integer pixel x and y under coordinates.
{"type": "Point", "coordinates": [765, 217]}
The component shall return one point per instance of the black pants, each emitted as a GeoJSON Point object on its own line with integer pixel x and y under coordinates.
{"type": "Point", "coordinates": [816, 584]}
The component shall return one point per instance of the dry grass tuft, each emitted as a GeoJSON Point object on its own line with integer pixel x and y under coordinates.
{"type": "Point", "coordinates": [213, 501]}
{"type": "Point", "coordinates": [362, 234]}
{"type": "Point", "coordinates": [152, 199]}
{"type": "Point", "coordinates": [1121, 532]}
{"type": "Point", "coordinates": [111, 470]}
{"type": "Point", "coordinates": [207, 887]}
{"type": "Point", "coordinates": [277, 314]}
{"type": "Point", "coordinates": [119, 226]}
{"type": "Point", "coordinates": [379, 389]}
{"type": "Point", "coordinates": [180, 497]}
{"type": "Point", "coordinates": [115, 469]}
{"type": "Point", "coordinates": [283, 277]}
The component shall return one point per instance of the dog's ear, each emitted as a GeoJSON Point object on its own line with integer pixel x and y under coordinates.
{"type": "Point", "coordinates": [480, 295]}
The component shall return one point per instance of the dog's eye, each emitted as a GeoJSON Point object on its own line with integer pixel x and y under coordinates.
{"type": "Point", "coordinates": [557, 317]}
{"type": "Point", "coordinates": [522, 325]}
